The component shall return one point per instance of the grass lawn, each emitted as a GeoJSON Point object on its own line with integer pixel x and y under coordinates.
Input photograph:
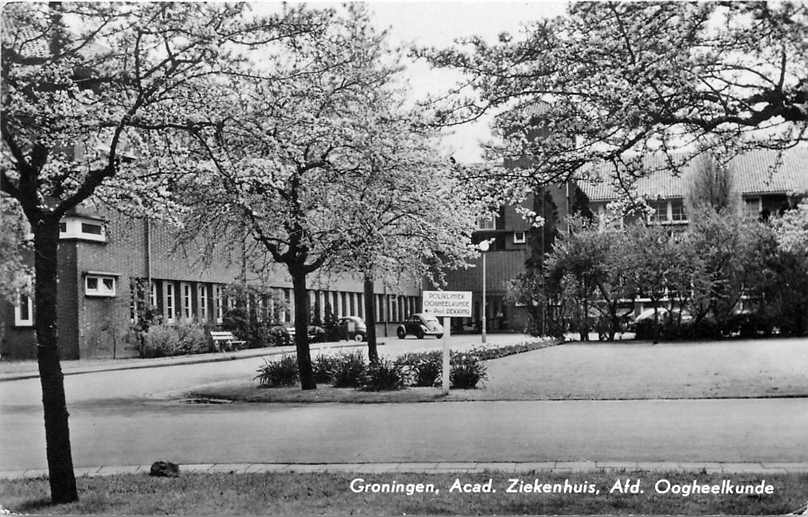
{"type": "Point", "coordinates": [624, 370]}
{"type": "Point", "coordinates": [330, 494]}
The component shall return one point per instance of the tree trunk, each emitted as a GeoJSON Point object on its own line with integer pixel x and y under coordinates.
{"type": "Point", "coordinates": [301, 329]}
{"type": "Point", "coordinates": [370, 317]}
{"type": "Point", "coordinates": [57, 432]}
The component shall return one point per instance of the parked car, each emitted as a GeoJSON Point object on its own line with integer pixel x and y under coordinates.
{"type": "Point", "coordinates": [315, 334]}
{"type": "Point", "coordinates": [352, 328]}
{"type": "Point", "coordinates": [663, 314]}
{"type": "Point", "coordinates": [420, 325]}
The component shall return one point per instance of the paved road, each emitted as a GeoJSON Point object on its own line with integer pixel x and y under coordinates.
{"type": "Point", "coordinates": [703, 430]}
{"type": "Point", "coordinates": [114, 422]}
{"type": "Point", "coordinates": [137, 384]}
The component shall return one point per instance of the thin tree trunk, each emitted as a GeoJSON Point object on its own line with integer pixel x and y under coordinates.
{"type": "Point", "coordinates": [370, 317]}
{"type": "Point", "coordinates": [301, 329]}
{"type": "Point", "coordinates": [57, 432]}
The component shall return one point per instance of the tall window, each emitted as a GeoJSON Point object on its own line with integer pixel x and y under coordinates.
{"type": "Point", "coordinates": [24, 308]}
{"type": "Point", "coordinates": [217, 300]}
{"type": "Point", "coordinates": [678, 210]}
{"type": "Point", "coordinates": [752, 207]}
{"type": "Point", "coordinates": [186, 302]}
{"type": "Point", "coordinates": [153, 294]}
{"type": "Point", "coordinates": [170, 306]}
{"type": "Point", "coordinates": [202, 297]}
{"type": "Point", "coordinates": [660, 211]}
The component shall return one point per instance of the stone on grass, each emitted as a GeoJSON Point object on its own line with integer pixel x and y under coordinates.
{"type": "Point", "coordinates": [165, 469]}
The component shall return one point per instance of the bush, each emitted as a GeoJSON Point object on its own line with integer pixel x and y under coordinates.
{"type": "Point", "coordinates": [324, 366]}
{"type": "Point", "coordinates": [279, 336]}
{"type": "Point", "coordinates": [647, 329]}
{"type": "Point", "coordinates": [282, 372]}
{"type": "Point", "coordinates": [184, 337]}
{"type": "Point", "coordinates": [467, 370]}
{"type": "Point", "coordinates": [348, 370]}
{"type": "Point", "coordinates": [383, 375]}
{"type": "Point", "coordinates": [421, 368]}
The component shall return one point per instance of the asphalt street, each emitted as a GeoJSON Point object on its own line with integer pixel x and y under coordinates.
{"type": "Point", "coordinates": [673, 430]}
{"type": "Point", "coordinates": [117, 420]}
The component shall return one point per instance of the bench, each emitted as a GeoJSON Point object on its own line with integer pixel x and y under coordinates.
{"type": "Point", "coordinates": [225, 341]}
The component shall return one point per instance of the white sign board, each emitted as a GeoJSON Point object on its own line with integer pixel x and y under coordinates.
{"type": "Point", "coordinates": [454, 304]}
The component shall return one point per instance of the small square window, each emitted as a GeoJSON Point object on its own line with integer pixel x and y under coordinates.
{"type": "Point", "coordinates": [519, 237]}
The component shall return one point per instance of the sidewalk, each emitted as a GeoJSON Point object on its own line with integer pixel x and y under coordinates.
{"type": "Point", "coordinates": [28, 369]}
{"type": "Point", "coordinates": [437, 468]}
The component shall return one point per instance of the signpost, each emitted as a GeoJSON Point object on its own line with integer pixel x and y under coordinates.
{"type": "Point", "coordinates": [447, 304]}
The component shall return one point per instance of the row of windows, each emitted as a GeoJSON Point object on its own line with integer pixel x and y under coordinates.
{"type": "Point", "coordinates": [207, 302]}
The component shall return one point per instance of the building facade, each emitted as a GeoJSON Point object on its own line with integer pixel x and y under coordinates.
{"type": "Point", "coordinates": [111, 267]}
{"type": "Point", "coordinates": [766, 183]}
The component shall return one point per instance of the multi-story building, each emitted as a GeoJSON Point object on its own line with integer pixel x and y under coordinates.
{"type": "Point", "coordinates": [763, 186]}
{"type": "Point", "coordinates": [513, 242]}
{"type": "Point", "coordinates": [765, 182]}
{"type": "Point", "coordinates": [112, 265]}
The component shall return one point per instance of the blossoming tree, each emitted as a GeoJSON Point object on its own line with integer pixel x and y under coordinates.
{"type": "Point", "coordinates": [615, 81]}
{"type": "Point", "coordinates": [284, 160]}
{"type": "Point", "coordinates": [85, 89]}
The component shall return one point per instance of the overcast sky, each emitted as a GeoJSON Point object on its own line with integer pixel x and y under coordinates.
{"type": "Point", "coordinates": [438, 23]}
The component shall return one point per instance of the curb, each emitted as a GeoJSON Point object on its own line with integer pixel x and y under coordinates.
{"type": "Point", "coordinates": [436, 468]}
{"type": "Point", "coordinates": [181, 362]}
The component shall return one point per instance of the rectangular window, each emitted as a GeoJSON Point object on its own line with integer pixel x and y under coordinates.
{"type": "Point", "coordinates": [24, 309]}
{"type": "Point", "coordinates": [153, 295]}
{"type": "Point", "coordinates": [100, 285]}
{"type": "Point", "coordinates": [678, 211]}
{"type": "Point", "coordinates": [62, 227]}
{"type": "Point", "coordinates": [202, 300]}
{"type": "Point", "coordinates": [187, 302]}
{"type": "Point", "coordinates": [752, 207]}
{"type": "Point", "coordinates": [218, 302]}
{"type": "Point", "coordinates": [486, 223]}
{"type": "Point", "coordinates": [170, 307]}
{"type": "Point", "coordinates": [660, 211]}
{"type": "Point", "coordinates": [92, 229]}
{"type": "Point", "coordinates": [518, 237]}
{"type": "Point", "coordinates": [259, 308]}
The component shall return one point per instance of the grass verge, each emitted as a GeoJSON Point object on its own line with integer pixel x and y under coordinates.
{"type": "Point", "coordinates": [330, 494]}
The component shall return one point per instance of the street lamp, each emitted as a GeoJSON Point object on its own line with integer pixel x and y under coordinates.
{"type": "Point", "coordinates": [484, 245]}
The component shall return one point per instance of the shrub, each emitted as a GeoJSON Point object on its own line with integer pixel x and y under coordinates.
{"type": "Point", "coordinates": [467, 370]}
{"type": "Point", "coordinates": [182, 338]}
{"type": "Point", "coordinates": [647, 329]}
{"type": "Point", "coordinates": [348, 370]}
{"type": "Point", "coordinates": [383, 375]}
{"type": "Point", "coordinates": [324, 366]}
{"type": "Point", "coordinates": [279, 336]}
{"type": "Point", "coordinates": [421, 368]}
{"type": "Point", "coordinates": [282, 372]}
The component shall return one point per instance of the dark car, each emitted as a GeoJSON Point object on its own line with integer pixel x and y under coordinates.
{"type": "Point", "coordinates": [315, 334]}
{"type": "Point", "coordinates": [420, 325]}
{"type": "Point", "coordinates": [352, 328]}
